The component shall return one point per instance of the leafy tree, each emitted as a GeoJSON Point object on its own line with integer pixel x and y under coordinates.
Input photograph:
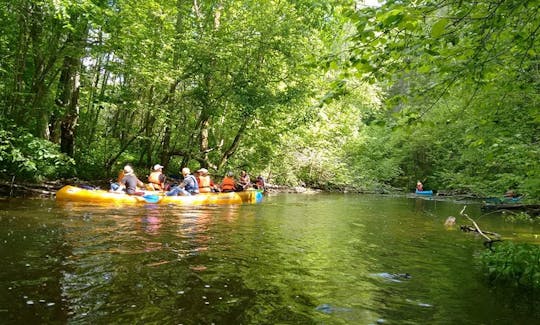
{"type": "Point", "coordinates": [446, 66]}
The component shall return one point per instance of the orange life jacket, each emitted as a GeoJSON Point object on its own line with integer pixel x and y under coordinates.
{"type": "Point", "coordinates": [205, 184]}
{"type": "Point", "coordinates": [228, 184]}
{"type": "Point", "coordinates": [154, 178]}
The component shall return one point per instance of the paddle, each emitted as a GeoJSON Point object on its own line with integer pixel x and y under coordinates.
{"type": "Point", "coordinates": [151, 198]}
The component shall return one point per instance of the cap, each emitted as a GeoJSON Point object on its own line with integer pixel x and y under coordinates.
{"type": "Point", "coordinates": [203, 171]}
{"type": "Point", "coordinates": [157, 167]}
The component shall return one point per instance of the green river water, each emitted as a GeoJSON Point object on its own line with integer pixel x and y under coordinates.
{"type": "Point", "coordinates": [293, 259]}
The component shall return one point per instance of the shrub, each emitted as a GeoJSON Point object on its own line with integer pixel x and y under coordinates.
{"type": "Point", "coordinates": [29, 158]}
{"type": "Point", "coordinates": [513, 263]}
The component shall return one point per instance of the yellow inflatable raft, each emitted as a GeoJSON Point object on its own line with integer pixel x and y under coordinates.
{"type": "Point", "coordinates": [77, 194]}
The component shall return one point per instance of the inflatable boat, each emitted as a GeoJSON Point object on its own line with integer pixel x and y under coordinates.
{"type": "Point", "coordinates": [77, 194]}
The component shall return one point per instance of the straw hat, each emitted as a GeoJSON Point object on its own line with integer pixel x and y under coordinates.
{"type": "Point", "coordinates": [128, 170]}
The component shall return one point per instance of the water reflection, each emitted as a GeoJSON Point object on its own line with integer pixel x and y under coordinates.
{"type": "Point", "coordinates": [151, 222]}
{"type": "Point", "coordinates": [332, 259]}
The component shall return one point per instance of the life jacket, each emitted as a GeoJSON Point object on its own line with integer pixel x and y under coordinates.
{"type": "Point", "coordinates": [228, 184]}
{"type": "Point", "coordinates": [205, 184]}
{"type": "Point", "coordinates": [156, 179]}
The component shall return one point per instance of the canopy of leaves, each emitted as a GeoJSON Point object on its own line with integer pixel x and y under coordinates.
{"type": "Point", "coordinates": [330, 94]}
{"type": "Point", "coordinates": [462, 83]}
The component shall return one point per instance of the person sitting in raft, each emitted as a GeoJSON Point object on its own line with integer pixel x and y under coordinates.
{"type": "Point", "coordinates": [116, 185]}
{"type": "Point", "coordinates": [205, 182]}
{"type": "Point", "coordinates": [130, 182]}
{"type": "Point", "coordinates": [156, 179]}
{"type": "Point", "coordinates": [228, 184]}
{"type": "Point", "coordinates": [419, 186]}
{"type": "Point", "coordinates": [188, 186]}
{"type": "Point", "coordinates": [259, 183]}
{"type": "Point", "coordinates": [244, 181]}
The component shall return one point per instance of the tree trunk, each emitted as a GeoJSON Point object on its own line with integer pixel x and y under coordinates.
{"type": "Point", "coordinates": [69, 84]}
{"type": "Point", "coordinates": [69, 81]}
{"type": "Point", "coordinates": [234, 145]}
{"type": "Point", "coordinates": [166, 147]}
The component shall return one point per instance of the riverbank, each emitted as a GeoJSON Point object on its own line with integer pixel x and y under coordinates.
{"type": "Point", "coordinates": [48, 189]}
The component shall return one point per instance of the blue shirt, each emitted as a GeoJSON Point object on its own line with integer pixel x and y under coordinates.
{"type": "Point", "coordinates": [190, 184]}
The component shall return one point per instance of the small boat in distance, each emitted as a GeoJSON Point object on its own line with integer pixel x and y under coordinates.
{"type": "Point", "coordinates": [428, 192]}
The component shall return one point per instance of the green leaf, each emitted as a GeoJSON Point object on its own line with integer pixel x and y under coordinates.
{"type": "Point", "coordinates": [438, 28]}
{"type": "Point", "coordinates": [431, 52]}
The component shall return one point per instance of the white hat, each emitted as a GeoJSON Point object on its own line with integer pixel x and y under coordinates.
{"type": "Point", "coordinates": [203, 171]}
{"type": "Point", "coordinates": [157, 167]}
{"type": "Point", "coordinates": [128, 169]}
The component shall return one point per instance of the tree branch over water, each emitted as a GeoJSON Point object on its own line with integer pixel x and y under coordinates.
{"type": "Point", "coordinates": [489, 241]}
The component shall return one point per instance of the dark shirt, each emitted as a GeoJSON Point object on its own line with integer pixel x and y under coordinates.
{"type": "Point", "coordinates": [130, 182]}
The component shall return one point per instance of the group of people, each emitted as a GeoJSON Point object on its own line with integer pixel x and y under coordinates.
{"type": "Point", "coordinates": [190, 185]}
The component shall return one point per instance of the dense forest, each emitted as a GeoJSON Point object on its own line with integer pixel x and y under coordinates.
{"type": "Point", "coordinates": [324, 93]}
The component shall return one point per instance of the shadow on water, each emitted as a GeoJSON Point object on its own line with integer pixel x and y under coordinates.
{"type": "Point", "coordinates": [295, 259]}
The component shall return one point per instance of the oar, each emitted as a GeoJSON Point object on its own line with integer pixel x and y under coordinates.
{"type": "Point", "coordinates": [151, 198]}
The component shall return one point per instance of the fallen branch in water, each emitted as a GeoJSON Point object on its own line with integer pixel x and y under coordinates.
{"type": "Point", "coordinates": [474, 229]}
{"type": "Point", "coordinates": [12, 189]}
{"type": "Point", "coordinates": [489, 241]}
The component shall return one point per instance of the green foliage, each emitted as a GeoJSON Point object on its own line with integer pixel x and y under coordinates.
{"type": "Point", "coordinates": [278, 88]}
{"type": "Point", "coordinates": [29, 158]}
{"type": "Point", "coordinates": [518, 264]}
{"type": "Point", "coordinates": [372, 158]}
{"type": "Point", "coordinates": [317, 154]}
{"type": "Point", "coordinates": [453, 116]}
{"type": "Point", "coordinates": [521, 217]}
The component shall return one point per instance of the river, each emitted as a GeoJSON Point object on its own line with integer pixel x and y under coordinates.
{"type": "Point", "coordinates": [292, 259]}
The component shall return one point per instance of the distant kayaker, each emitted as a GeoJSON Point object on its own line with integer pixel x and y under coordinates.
{"type": "Point", "coordinates": [130, 182]}
{"type": "Point", "coordinates": [157, 179]}
{"type": "Point", "coordinates": [228, 184]}
{"type": "Point", "coordinates": [188, 186]}
{"type": "Point", "coordinates": [510, 194]}
{"type": "Point", "coordinates": [419, 186]}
